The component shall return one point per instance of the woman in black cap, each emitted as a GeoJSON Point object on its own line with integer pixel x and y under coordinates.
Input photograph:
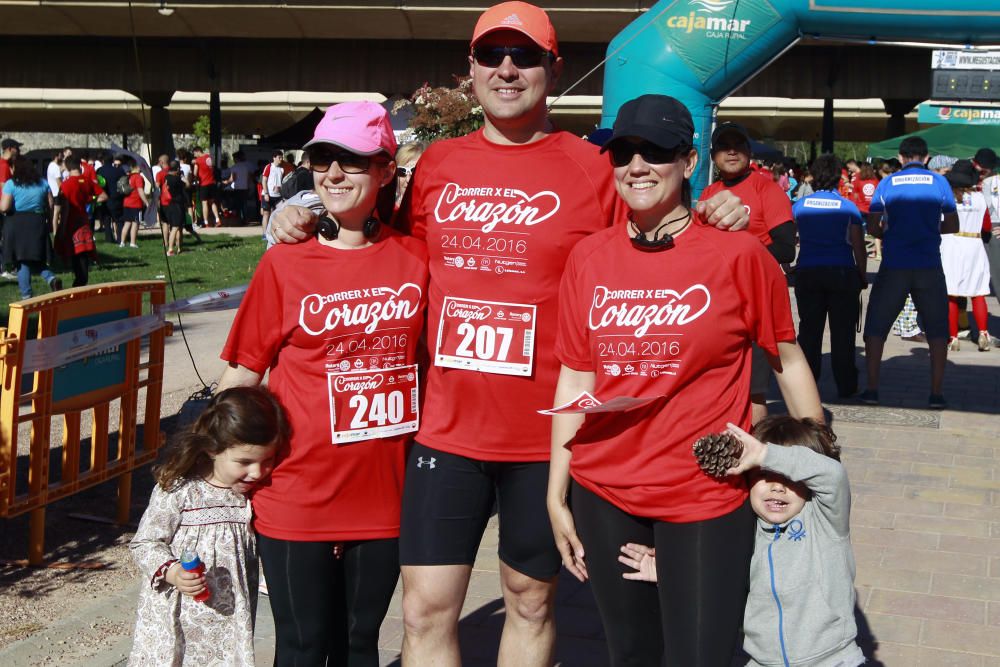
{"type": "Point", "coordinates": [661, 312]}
{"type": "Point", "coordinates": [963, 254]}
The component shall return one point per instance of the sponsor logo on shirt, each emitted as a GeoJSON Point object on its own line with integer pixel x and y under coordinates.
{"type": "Point", "coordinates": [868, 190]}
{"type": "Point", "coordinates": [817, 202]}
{"type": "Point", "coordinates": [320, 313]}
{"type": "Point", "coordinates": [912, 179]}
{"type": "Point", "coordinates": [646, 308]}
{"type": "Point", "coordinates": [491, 206]}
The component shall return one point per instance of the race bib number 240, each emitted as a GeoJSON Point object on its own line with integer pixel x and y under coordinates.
{"type": "Point", "coordinates": [486, 336]}
{"type": "Point", "coordinates": [373, 403]}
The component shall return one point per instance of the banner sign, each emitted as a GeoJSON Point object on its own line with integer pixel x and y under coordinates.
{"type": "Point", "coordinates": [223, 299]}
{"type": "Point", "coordinates": [707, 34]}
{"type": "Point", "coordinates": [83, 337]}
{"type": "Point", "coordinates": [84, 342]}
{"type": "Point", "coordinates": [989, 60]}
{"type": "Point", "coordinates": [943, 113]}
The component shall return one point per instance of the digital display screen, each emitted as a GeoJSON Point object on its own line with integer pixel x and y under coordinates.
{"type": "Point", "coordinates": [965, 85]}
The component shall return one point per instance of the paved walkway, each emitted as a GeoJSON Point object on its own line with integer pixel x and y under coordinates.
{"type": "Point", "coordinates": [925, 526]}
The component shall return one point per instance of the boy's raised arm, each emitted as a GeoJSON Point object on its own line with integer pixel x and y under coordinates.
{"type": "Point", "coordinates": [825, 478]}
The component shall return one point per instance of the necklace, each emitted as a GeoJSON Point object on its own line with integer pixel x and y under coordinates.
{"type": "Point", "coordinates": [641, 241]}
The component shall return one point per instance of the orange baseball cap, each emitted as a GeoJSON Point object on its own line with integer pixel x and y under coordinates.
{"type": "Point", "coordinates": [521, 17]}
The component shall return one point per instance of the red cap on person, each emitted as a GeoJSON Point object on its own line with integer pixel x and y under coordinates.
{"type": "Point", "coordinates": [362, 128]}
{"type": "Point", "coordinates": [521, 17]}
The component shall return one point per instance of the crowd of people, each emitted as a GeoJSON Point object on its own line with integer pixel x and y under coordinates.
{"type": "Point", "coordinates": [516, 321]}
{"type": "Point", "coordinates": [92, 192]}
{"type": "Point", "coordinates": [838, 214]}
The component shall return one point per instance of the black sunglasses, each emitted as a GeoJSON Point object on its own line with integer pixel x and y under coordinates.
{"type": "Point", "coordinates": [404, 171]}
{"type": "Point", "coordinates": [521, 56]}
{"type": "Point", "coordinates": [320, 160]}
{"type": "Point", "coordinates": [622, 152]}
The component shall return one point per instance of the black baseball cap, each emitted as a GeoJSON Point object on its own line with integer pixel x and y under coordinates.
{"type": "Point", "coordinates": [962, 174]}
{"type": "Point", "coordinates": [986, 158]}
{"type": "Point", "coordinates": [10, 143]}
{"type": "Point", "coordinates": [659, 119]}
{"type": "Point", "coordinates": [723, 128]}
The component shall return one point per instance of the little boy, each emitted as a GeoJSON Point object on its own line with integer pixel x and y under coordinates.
{"type": "Point", "coordinates": [800, 612]}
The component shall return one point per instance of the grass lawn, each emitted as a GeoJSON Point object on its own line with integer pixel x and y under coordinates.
{"type": "Point", "coordinates": [218, 261]}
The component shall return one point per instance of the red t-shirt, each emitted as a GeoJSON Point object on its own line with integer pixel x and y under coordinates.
{"type": "Point", "coordinates": [87, 171]}
{"type": "Point", "coordinates": [78, 192]}
{"type": "Point", "coordinates": [499, 222]}
{"type": "Point", "coordinates": [675, 324]}
{"type": "Point", "coordinates": [134, 199]}
{"type": "Point", "coordinates": [203, 167]}
{"type": "Point", "coordinates": [161, 182]}
{"type": "Point", "coordinates": [862, 191]}
{"type": "Point", "coordinates": [313, 313]}
{"type": "Point", "coordinates": [5, 172]}
{"type": "Point", "coordinates": [74, 237]}
{"type": "Point", "coordinates": [763, 199]}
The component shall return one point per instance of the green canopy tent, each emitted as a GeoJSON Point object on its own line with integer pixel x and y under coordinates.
{"type": "Point", "coordinates": [961, 141]}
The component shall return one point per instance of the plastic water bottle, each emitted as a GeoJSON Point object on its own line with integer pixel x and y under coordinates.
{"type": "Point", "coordinates": [191, 562]}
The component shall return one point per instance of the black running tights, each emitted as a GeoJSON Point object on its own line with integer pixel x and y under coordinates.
{"type": "Point", "coordinates": [327, 611]}
{"type": "Point", "coordinates": [693, 617]}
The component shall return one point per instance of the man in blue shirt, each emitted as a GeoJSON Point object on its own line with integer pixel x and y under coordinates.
{"type": "Point", "coordinates": [909, 211]}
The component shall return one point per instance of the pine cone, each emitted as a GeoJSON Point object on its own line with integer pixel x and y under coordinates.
{"type": "Point", "coordinates": [717, 453]}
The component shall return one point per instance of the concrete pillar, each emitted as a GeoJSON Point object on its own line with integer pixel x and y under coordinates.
{"type": "Point", "coordinates": [827, 139]}
{"type": "Point", "coordinates": [161, 136]}
{"type": "Point", "coordinates": [159, 131]}
{"type": "Point", "coordinates": [897, 109]}
{"type": "Point", "coordinates": [215, 127]}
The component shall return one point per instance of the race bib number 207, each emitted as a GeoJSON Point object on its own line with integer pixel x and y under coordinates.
{"type": "Point", "coordinates": [486, 336]}
{"type": "Point", "coordinates": [373, 403]}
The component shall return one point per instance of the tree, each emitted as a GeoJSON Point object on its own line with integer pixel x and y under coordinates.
{"type": "Point", "coordinates": [442, 113]}
{"type": "Point", "coordinates": [200, 130]}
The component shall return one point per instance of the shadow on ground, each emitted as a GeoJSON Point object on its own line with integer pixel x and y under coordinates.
{"type": "Point", "coordinates": [77, 528]}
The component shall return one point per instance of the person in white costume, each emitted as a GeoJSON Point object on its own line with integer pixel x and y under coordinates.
{"type": "Point", "coordinates": [963, 254]}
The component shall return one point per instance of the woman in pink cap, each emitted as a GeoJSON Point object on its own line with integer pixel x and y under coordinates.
{"type": "Point", "coordinates": [336, 321]}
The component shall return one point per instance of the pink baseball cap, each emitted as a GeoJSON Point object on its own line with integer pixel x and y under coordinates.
{"type": "Point", "coordinates": [522, 17]}
{"type": "Point", "coordinates": [362, 128]}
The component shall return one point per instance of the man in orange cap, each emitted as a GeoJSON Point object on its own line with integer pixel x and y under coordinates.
{"type": "Point", "coordinates": [500, 210]}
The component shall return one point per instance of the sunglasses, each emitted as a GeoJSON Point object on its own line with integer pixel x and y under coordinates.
{"type": "Point", "coordinates": [522, 57]}
{"type": "Point", "coordinates": [622, 152]}
{"type": "Point", "coordinates": [404, 171]}
{"type": "Point", "coordinates": [321, 159]}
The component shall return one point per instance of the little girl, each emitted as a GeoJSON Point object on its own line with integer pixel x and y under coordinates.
{"type": "Point", "coordinates": [200, 505]}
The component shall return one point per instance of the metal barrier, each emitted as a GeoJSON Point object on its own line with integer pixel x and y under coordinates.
{"type": "Point", "coordinates": [92, 383]}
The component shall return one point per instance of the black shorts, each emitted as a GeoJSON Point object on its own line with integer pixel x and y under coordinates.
{"type": "Point", "coordinates": [447, 500]}
{"type": "Point", "coordinates": [269, 204]}
{"type": "Point", "coordinates": [132, 214]}
{"type": "Point", "coordinates": [207, 192]}
{"type": "Point", "coordinates": [930, 295]}
{"type": "Point", "coordinates": [173, 215]}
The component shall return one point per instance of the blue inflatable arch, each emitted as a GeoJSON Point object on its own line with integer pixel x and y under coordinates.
{"type": "Point", "coordinates": [700, 51]}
